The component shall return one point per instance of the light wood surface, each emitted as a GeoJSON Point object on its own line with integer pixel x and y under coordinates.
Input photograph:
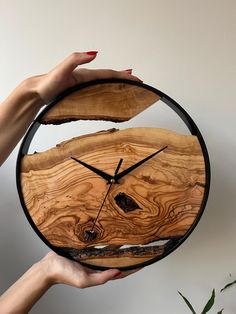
{"type": "Point", "coordinates": [112, 102]}
{"type": "Point", "coordinates": [63, 197]}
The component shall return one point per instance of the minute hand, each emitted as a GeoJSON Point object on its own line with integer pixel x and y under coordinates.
{"type": "Point", "coordinates": [128, 170]}
{"type": "Point", "coordinates": [100, 173]}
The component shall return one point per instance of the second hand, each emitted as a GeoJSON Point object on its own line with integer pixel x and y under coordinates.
{"type": "Point", "coordinates": [91, 233]}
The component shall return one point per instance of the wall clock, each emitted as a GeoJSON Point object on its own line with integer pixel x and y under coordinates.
{"type": "Point", "coordinates": [121, 197]}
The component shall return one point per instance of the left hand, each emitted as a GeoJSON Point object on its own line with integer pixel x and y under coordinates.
{"type": "Point", "coordinates": [66, 75]}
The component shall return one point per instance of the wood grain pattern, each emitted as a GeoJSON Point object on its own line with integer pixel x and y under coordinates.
{"type": "Point", "coordinates": [112, 102]}
{"type": "Point", "coordinates": [63, 197]}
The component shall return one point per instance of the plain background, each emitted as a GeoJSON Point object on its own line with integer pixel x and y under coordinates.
{"type": "Point", "coordinates": [185, 48]}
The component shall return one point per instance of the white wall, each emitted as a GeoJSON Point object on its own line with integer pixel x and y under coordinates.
{"type": "Point", "coordinates": [185, 48]}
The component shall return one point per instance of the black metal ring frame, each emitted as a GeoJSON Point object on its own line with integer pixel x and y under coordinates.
{"type": "Point", "coordinates": [170, 103]}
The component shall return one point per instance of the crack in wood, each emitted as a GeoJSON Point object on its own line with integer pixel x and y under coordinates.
{"type": "Point", "coordinates": [136, 251]}
{"type": "Point", "coordinates": [117, 252]}
{"type": "Point", "coordinates": [56, 121]}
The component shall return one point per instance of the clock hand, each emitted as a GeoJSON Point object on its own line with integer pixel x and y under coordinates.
{"type": "Point", "coordinates": [118, 166]}
{"type": "Point", "coordinates": [102, 174]}
{"type": "Point", "coordinates": [91, 234]}
{"type": "Point", "coordinates": [128, 170]}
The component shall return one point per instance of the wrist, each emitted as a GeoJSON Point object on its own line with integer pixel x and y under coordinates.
{"type": "Point", "coordinates": [30, 89]}
{"type": "Point", "coordinates": [51, 269]}
{"type": "Point", "coordinates": [45, 272]}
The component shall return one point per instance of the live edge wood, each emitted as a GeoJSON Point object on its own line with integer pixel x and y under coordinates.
{"type": "Point", "coordinates": [63, 197]}
{"type": "Point", "coordinates": [114, 102]}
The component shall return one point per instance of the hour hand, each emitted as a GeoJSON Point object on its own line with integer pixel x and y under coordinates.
{"type": "Point", "coordinates": [101, 173]}
{"type": "Point", "coordinates": [128, 170]}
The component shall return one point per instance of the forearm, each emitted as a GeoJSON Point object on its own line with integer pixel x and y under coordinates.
{"type": "Point", "coordinates": [21, 296]}
{"type": "Point", "coordinates": [20, 108]}
{"type": "Point", "coordinates": [52, 269]}
{"type": "Point", "coordinates": [16, 114]}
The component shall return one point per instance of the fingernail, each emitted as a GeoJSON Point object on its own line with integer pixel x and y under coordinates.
{"type": "Point", "coordinates": [129, 70]}
{"type": "Point", "coordinates": [118, 274]}
{"type": "Point", "coordinates": [91, 53]}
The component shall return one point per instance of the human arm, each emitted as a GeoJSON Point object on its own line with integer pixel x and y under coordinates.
{"type": "Point", "coordinates": [52, 269]}
{"type": "Point", "coordinates": [16, 114]}
{"type": "Point", "coordinates": [22, 105]}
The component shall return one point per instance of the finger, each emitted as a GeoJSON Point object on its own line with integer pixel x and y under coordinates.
{"type": "Point", "coordinates": [127, 74]}
{"type": "Point", "coordinates": [126, 273]}
{"type": "Point", "coordinates": [89, 75]}
{"type": "Point", "coordinates": [129, 71]}
{"type": "Point", "coordinates": [85, 75]}
{"type": "Point", "coordinates": [75, 59]}
{"type": "Point", "coordinates": [99, 278]}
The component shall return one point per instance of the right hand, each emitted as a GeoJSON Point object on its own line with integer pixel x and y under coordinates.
{"type": "Point", "coordinates": [60, 270]}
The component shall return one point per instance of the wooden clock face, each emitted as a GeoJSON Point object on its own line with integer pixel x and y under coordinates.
{"type": "Point", "coordinates": [119, 197]}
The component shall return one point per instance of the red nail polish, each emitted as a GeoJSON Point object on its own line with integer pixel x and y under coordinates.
{"type": "Point", "coordinates": [91, 53]}
{"type": "Point", "coordinates": [118, 274]}
{"type": "Point", "coordinates": [129, 70]}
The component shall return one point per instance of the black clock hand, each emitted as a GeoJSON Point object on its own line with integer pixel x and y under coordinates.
{"type": "Point", "coordinates": [128, 170]}
{"type": "Point", "coordinates": [91, 234]}
{"type": "Point", "coordinates": [102, 174]}
{"type": "Point", "coordinates": [118, 167]}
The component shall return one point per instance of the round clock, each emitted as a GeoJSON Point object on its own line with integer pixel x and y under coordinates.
{"type": "Point", "coordinates": [124, 195]}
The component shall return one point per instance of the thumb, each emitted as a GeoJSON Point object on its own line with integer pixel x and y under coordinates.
{"type": "Point", "coordinates": [61, 77]}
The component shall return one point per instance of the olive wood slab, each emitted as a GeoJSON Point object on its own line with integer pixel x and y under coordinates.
{"type": "Point", "coordinates": [63, 197]}
{"type": "Point", "coordinates": [116, 102]}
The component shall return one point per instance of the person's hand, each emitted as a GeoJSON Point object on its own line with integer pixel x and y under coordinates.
{"type": "Point", "coordinates": [49, 85]}
{"type": "Point", "coordinates": [60, 270]}
{"type": "Point", "coordinates": [52, 269]}
{"type": "Point", "coordinates": [66, 75]}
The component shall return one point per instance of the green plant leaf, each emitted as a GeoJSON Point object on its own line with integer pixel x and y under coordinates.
{"type": "Point", "coordinates": [210, 303]}
{"type": "Point", "coordinates": [228, 285]}
{"type": "Point", "coordinates": [221, 311]}
{"type": "Point", "coordinates": [188, 303]}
